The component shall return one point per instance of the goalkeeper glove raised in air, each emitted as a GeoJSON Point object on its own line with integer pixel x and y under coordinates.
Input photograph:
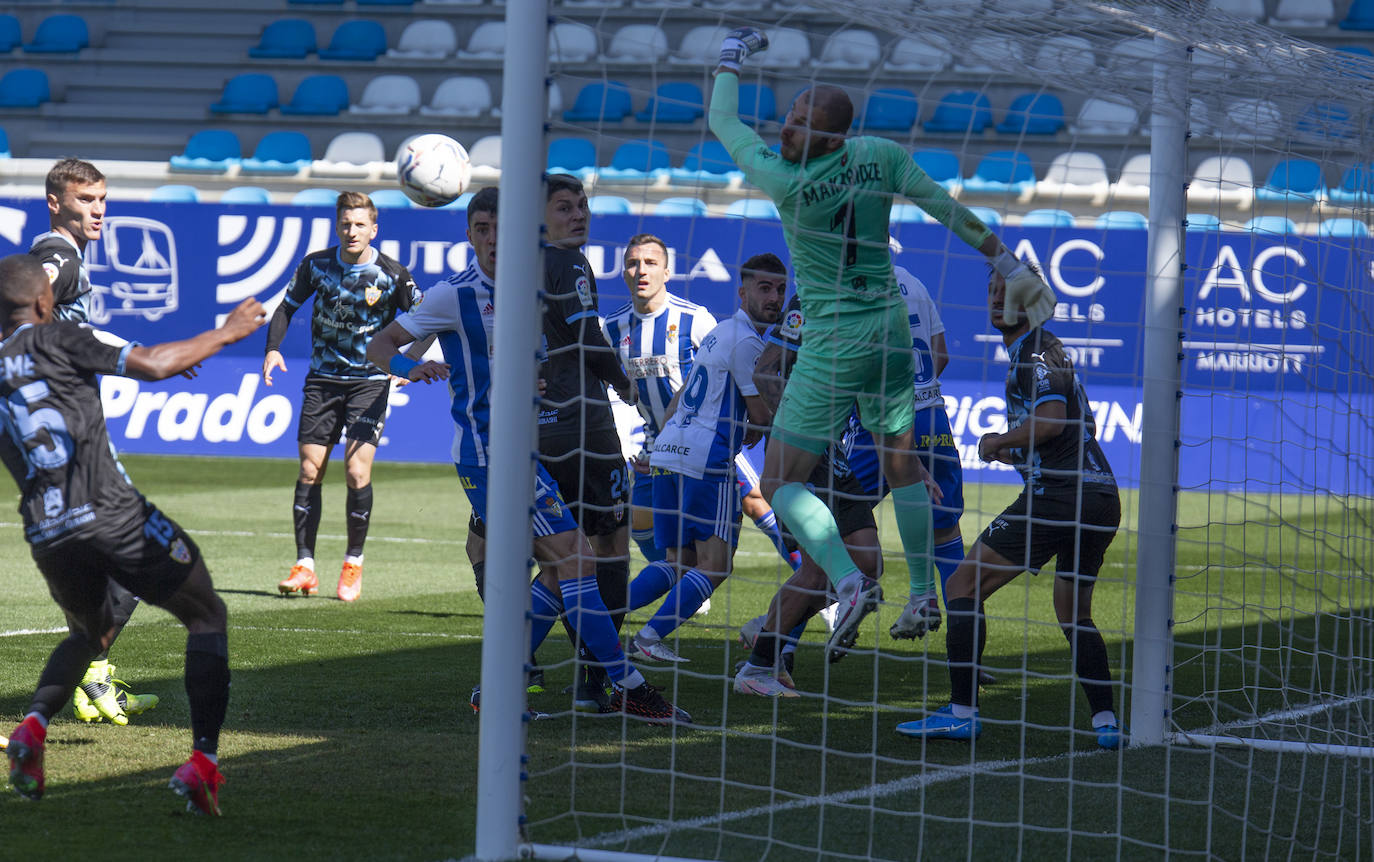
{"type": "Point", "coordinates": [1025, 290]}
{"type": "Point", "coordinates": [740, 43]}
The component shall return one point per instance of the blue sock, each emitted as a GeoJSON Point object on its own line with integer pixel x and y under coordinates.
{"type": "Point", "coordinates": [769, 525]}
{"type": "Point", "coordinates": [645, 540]}
{"type": "Point", "coordinates": [589, 618]}
{"type": "Point", "coordinates": [683, 600]}
{"type": "Point", "coordinates": [545, 608]}
{"type": "Point", "coordinates": [797, 631]}
{"type": "Point", "coordinates": [652, 584]}
{"type": "Point", "coordinates": [947, 558]}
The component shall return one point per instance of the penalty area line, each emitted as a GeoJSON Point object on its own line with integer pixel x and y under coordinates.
{"type": "Point", "coordinates": [252, 534]}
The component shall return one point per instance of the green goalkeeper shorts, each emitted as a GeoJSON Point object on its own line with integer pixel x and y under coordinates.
{"type": "Point", "coordinates": [861, 360]}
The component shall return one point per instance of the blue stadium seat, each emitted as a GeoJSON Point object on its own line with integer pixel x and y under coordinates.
{"type": "Point", "coordinates": [757, 104]}
{"type": "Point", "coordinates": [1033, 114]}
{"type": "Point", "coordinates": [940, 165]}
{"type": "Point", "coordinates": [1297, 180]}
{"type": "Point", "coordinates": [988, 216]}
{"type": "Point", "coordinates": [316, 2]}
{"type": "Point", "coordinates": [888, 109]}
{"type": "Point", "coordinates": [1270, 224]}
{"type": "Point", "coordinates": [209, 151]}
{"type": "Point", "coordinates": [246, 195]}
{"type": "Point", "coordinates": [1002, 171]}
{"type": "Point", "coordinates": [249, 93]}
{"type": "Point", "coordinates": [755, 208]}
{"type": "Point", "coordinates": [11, 36]}
{"type": "Point", "coordinates": [599, 102]}
{"type": "Point", "coordinates": [673, 102]}
{"type": "Point", "coordinates": [318, 95]}
{"type": "Point", "coordinates": [1357, 185]}
{"type": "Point", "coordinates": [279, 153]}
{"type": "Point", "coordinates": [386, 2]}
{"type": "Point", "coordinates": [286, 39]}
{"type": "Point", "coordinates": [908, 214]}
{"type": "Point", "coordinates": [1202, 222]}
{"type": "Point", "coordinates": [1325, 120]}
{"type": "Point", "coordinates": [1122, 220]}
{"type": "Point", "coordinates": [390, 199]}
{"type": "Point", "coordinates": [609, 205]}
{"type": "Point", "coordinates": [24, 88]}
{"type": "Point", "coordinates": [175, 194]}
{"type": "Point", "coordinates": [4, 145]}
{"type": "Point", "coordinates": [680, 207]}
{"type": "Point", "coordinates": [1047, 218]}
{"type": "Point", "coordinates": [1344, 227]}
{"type": "Point", "coordinates": [962, 111]}
{"type": "Point", "coordinates": [1360, 16]}
{"type": "Point", "coordinates": [639, 159]}
{"type": "Point", "coordinates": [356, 40]}
{"type": "Point", "coordinates": [60, 34]}
{"type": "Point", "coordinates": [707, 163]}
{"type": "Point", "coordinates": [571, 155]}
{"type": "Point", "coordinates": [314, 198]}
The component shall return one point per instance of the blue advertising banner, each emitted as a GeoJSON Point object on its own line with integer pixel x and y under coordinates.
{"type": "Point", "coordinates": [1275, 349]}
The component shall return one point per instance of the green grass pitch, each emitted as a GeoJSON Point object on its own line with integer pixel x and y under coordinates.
{"type": "Point", "coordinates": [349, 734]}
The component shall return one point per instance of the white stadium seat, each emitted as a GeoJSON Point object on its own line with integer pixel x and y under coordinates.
{"type": "Point", "coordinates": [1250, 10]}
{"type": "Point", "coordinates": [1223, 178]}
{"type": "Point", "coordinates": [787, 49]}
{"type": "Point", "coordinates": [987, 54]}
{"type": "Point", "coordinates": [487, 42]}
{"type": "Point", "coordinates": [920, 54]}
{"type": "Point", "coordinates": [388, 94]}
{"type": "Point", "coordinates": [1253, 120]}
{"type": "Point", "coordinates": [700, 46]}
{"type": "Point", "coordinates": [1303, 13]}
{"type": "Point", "coordinates": [572, 43]}
{"type": "Point", "coordinates": [351, 154]}
{"type": "Point", "coordinates": [1134, 182]}
{"type": "Point", "coordinates": [850, 49]}
{"type": "Point", "coordinates": [486, 152]}
{"type": "Point", "coordinates": [1076, 174]}
{"type": "Point", "coordinates": [1105, 117]}
{"type": "Point", "coordinates": [425, 40]}
{"type": "Point", "coordinates": [1065, 56]}
{"type": "Point", "coordinates": [459, 96]}
{"type": "Point", "coordinates": [637, 43]}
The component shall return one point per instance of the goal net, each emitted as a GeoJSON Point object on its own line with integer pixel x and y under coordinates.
{"type": "Point", "coordinates": [1236, 598]}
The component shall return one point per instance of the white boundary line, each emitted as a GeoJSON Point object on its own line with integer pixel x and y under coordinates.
{"type": "Point", "coordinates": [234, 628]}
{"type": "Point", "coordinates": [277, 535]}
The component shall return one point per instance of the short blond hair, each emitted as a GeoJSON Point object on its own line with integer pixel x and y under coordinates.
{"type": "Point", "coordinates": [355, 201]}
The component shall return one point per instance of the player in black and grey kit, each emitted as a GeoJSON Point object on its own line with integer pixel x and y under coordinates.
{"type": "Point", "coordinates": [1069, 510]}
{"type": "Point", "coordinates": [87, 525]}
{"type": "Point", "coordinates": [357, 291]}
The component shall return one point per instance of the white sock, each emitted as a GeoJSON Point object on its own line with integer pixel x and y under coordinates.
{"type": "Point", "coordinates": [308, 562]}
{"type": "Point", "coordinates": [213, 758]}
{"type": "Point", "coordinates": [961, 711]}
{"type": "Point", "coordinates": [1104, 718]}
{"type": "Point", "coordinates": [648, 636]}
{"type": "Point", "coordinates": [633, 679]}
{"type": "Point", "coordinates": [357, 561]}
{"type": "Point", "coordinates": [38, 717]}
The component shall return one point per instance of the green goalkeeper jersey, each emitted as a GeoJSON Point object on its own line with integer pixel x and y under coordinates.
{"type": "Point", "coordinates": [835, 209]}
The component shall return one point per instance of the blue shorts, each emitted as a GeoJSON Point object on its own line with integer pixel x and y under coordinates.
{"type": "Point", "coordinates": [642, 492]}
{"type": "Point", "coordinates": [935, 443]}
{"type": "Point", "coordinates": [548, 513]}
{"type": "Point", "coordinates": [749, 467]}
{"type": "Point", "coordinates": [688, 510]}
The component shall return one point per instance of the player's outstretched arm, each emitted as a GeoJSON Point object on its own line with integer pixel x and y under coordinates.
{"type": "Point", "coordinates": [173, 357]}
{"type": "Point", "coordinates": [384, 351]}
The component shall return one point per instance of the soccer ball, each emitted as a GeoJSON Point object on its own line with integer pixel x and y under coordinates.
{"type": "Point", "coordinates": [433, 169]}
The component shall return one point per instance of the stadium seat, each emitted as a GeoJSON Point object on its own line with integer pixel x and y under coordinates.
{"type": "Point", "coordinates": [1002, 171]}
{"type": "Point", "coordinates": [757, 104]}
{"type": "Point", "coordinates": [316, 2]}
{"type": "Point", "coordinates": [459, 96]}
{"type": "Point", "coordinates": [279, 153]}
{"type": "Point", "coordinates": [1303, 13]}
{"type": "Point", "coordinates": [4, 145]}
{"type": "Point", "coordinates": [555, 100]}
{"type": "Point", "coordinates": [707, 163]}
{"type": "Point", "coordinates": [1067, 57]}
{"type": "Point", "coordinates": [988, 216]}
{"type": "Point", "coordinates": [1134, 181]}
{"type": "Point", "coordinates": [637, 160]}
{"type": "Point", "coordinates": [673, 102]}
{"type": "Point", "coordinates": [600, 102]}
{"type": "Point", "coordinates": [487, 42]}
{"type": "Point", "coordinates": [425, 40]}
{"type": "Point", "coordinates": [1343, 227]}
{"type": "Point", "coordinates": [246, 195]}
{"type": "Point", "coordinates": [855, 50]}
{"type": "Point", "coordinates": [754, 208]}
{"type": "Point", "coordinates": [637, 43]}
{"type": "Point", "coordinates": [1250, 10]}
{"type": "Point", "coordinates": [572, 43]}
{"type": "Point", "coordinates": [390, 199]}
{"type": "Point", "coordinates": [1357, 185]}
{"type": "Point", "coordinates": [908, 214]}
{"type": "Point", "coordinates": [1223, 178]}
{"type": "Point", "coordinates": [962, 112]}
{"type": "Point", "coordinates": [920, 54]}
{"type": "Point", "coordinates": [787, 49]}
{"type": "Point", "coordinates": [286, 39]}
{"type": "Point", "coordinates": [1075, 174]}
{"type": "Point", "coordinates": [486, 152]}
{"type": "Point", "coordinates": [1033, 114]}
{"type": "Point", "coordinates": [11, 36]}
{"type": "Point", "coordinates": [888, 109]}
{"type": "Point", "coordinates": [1122, 220]}
{"type": "Point", "coordinates": [1360, 16]}
{"type": "Point", "coordinates": [314, 198]}
{"type": "Point", "coordinates": [1047, 218]}
{"type": "Point", "coordinates": [386, 2]}
{"type": "Point", "coordinates": [388, 94]}
{"type": "Point", "coordinates": [350, 154]}
{"type": "Point", "coordinates": [1270, 224]}
{"type": "Point", "coordinates": [1294, 180]}
{"type": "Point", "coordinates": [209, 151]}
{"type": "Point", "coordinates": [356, 40]}
{"type": "Point", "coordinates": [1133, 56]}
{"type": "Point", "coordinates": [318, 95]}
{"type": "Point", "coordinates": [24, 88]}
{"type": "Point", "coordinates": [59, 34]}
{"type": "Point", "coordinates": [988, 54]}
{"type": "Point", "coordinates": [1201, 222]}
{"type": "Point", "coordinates": [700, 46]}
{"type": "Point", "coordinates": [1323, 121]}
{"type": "Point", "coordinates": [942, 166]}
{"type": "Point", "coordinates": [680, 207]}
{"type": "Point", "coordinates": [571, 155]}
{"type": "Point", "coordinates": [249, 93]}
{"type": "Point", "coordinates": [1253, 120]}
{"type": "Point", "coordinates": [609, 205]}
{"type": "Point", "coordinates": [175, 194]}
{"type": "Point", "coordinates": [1105, 117]}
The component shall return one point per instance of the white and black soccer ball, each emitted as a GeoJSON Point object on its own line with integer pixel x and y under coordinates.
{"type": "Point", "coordinates": [433, 169]}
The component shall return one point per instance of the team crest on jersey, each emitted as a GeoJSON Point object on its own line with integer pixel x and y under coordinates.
{"type": "Point", "coordinates": [372, 293]}
{"type": "Point", "coordinates": [179, 551]}
{"type": "Point", "coordinates": [52, 500]}
{"type": "Point", "coordinates": [51, 269]}
{"type": "Point", "coordinates": [672, 332]}
{"type": "Point", "coordinates": [551, 503]}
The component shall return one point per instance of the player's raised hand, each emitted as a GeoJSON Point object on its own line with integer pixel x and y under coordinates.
{"type": "Point", "coordinates": [740, 43]}
{"type": "Point", "coordinates": [270, 362]}
{"type": "Point", "coordinates": [1026, 290]}
{"type": "Point", "coordinates": [244, 320]}
{"type": "Point", "coordinates": [429, 371]}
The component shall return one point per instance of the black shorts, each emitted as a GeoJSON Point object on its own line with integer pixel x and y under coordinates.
{"type": "Point", "coordinates": [151, 557]}
{"type": "Point", "coordinates": [1035, 528]}
{"type": "Point", "coordinates": [842, 494]}
{"type": "Point", "coordinates": [593, 478]}
{"type": "Point", "coordinates": [354, 408]}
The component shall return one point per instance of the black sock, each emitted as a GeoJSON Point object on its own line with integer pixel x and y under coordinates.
{"type": "Point", "coordinates": [66, 665]}
{"type": "Point", "coordinates": [965, 636]}
{"type": "Point", "coordinates": [613, 582]}
{"type": "Point", "coordinates": [479, 574]}
{"type": "Point", "coordinates": [1090, 662]}
{"type": "Point", "coordinates": [359, 514]}
{"type": "Point", "coordinates": [207, 688]}
{"type": "Point", "coordinates": [765, 652]}
{"type": "Point", "coordinates": [122, 605]}
{"type": "Point", "coordinates": [305, 512]}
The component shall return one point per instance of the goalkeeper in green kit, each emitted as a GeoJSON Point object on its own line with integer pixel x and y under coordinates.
{"type": "Point", "coordinates": [835, 195]}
